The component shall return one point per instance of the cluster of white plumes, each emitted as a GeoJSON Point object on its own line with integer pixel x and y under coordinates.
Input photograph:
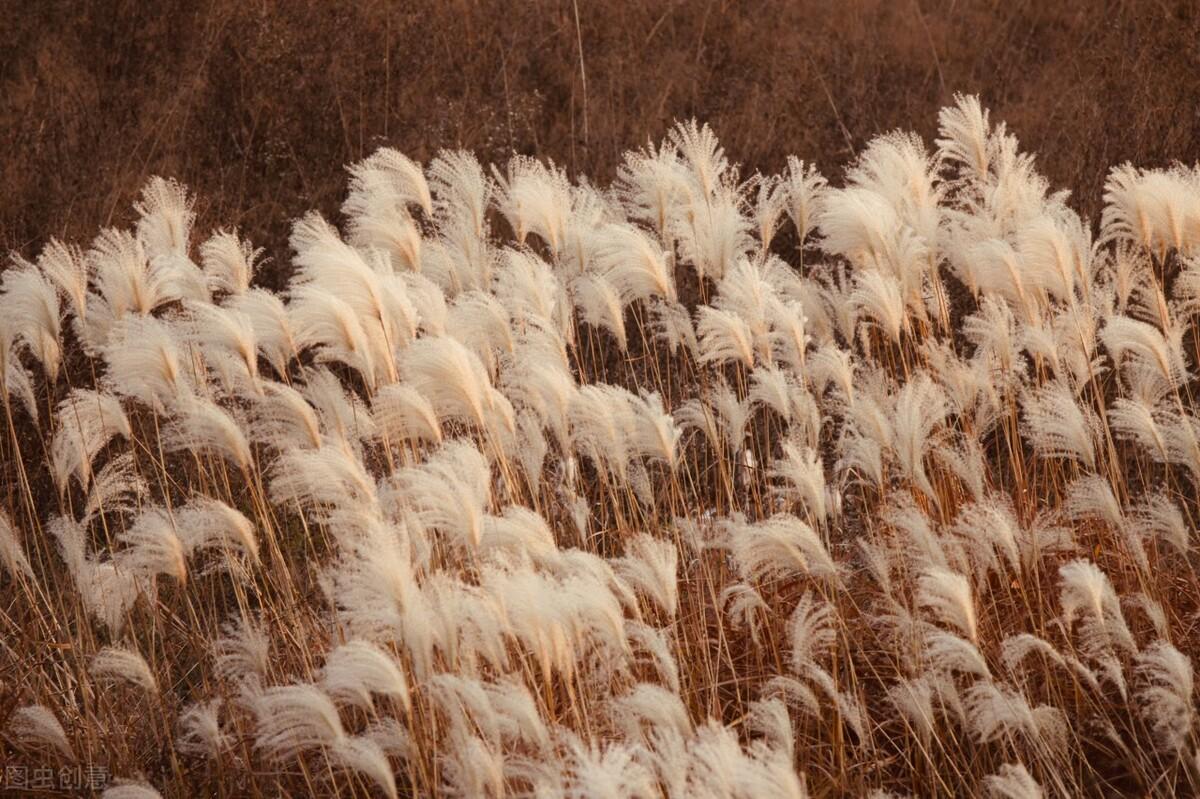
{"type": "Point", "coordinates": [694, 486]}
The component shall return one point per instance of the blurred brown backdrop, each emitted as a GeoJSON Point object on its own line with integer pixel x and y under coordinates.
{"type": "Point", "coordinates": [258, 105]}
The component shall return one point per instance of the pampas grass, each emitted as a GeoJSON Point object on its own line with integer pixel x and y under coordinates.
{"type": "Point", "coordinates": [691, 486]}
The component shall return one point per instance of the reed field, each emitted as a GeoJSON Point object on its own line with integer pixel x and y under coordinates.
{"type": "Point", "coordinates": [696, 482]}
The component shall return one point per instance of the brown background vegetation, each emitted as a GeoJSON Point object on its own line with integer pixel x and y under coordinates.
{"type": "Point", "coordinates": [257, 105]}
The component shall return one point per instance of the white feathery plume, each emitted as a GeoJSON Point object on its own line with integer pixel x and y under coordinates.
{"type": "Point", "coordinates": [283, 419]}
{"type": "Point", "coordinates": [520, 532]}
{"type": "Point", "coordinates": [535, 198]}
{"type": "Point", "coordinates": [126, 282]}
{"type": "Point", "coordinates": [611, 772]}
{"type": "Point", "coordinates": [966, 137]}
{"type": "Point", "coordinates": [993, 331]}
{"type": "Point", "coordinates": [1137, 420]}
{"type": "Point", "coordinates": [201, 425]}
{"type": "Point", "coordinates": [291, 719]}
{"type": "Point", "coordinates": [1086, 590]}
{"type": "Point", "coordinates": [948, 654]}
{"type": "Point", "coordinates": [633, 263]}
{"type": "Point", "coordinates": [355, 671]}
{"type": "Point", "coordinates": [327, 323]}
{"type": "Point", "coordinates": [12, 555]}
{"type": "Point", "coordinates": [770, 200]}
{"type": "Point", "coordinates": [67, 268]}
{"type": "Point", "coordinates": [1050, 256]}
{"type": "Point", "coordinates": [539, 384]}
{"type": "Point", "coordinates": [460, 188]}
{"type": "Point", "coordinates": [650, 565]}
{"type": "Point", "coordinates": [649, 705]}
{"type": "Point", "coordinates": [1158, 517]}
{"type": "Point", "coordinates": [1102, 632]}
{"type": "Point", "coordinates": [226, 339]}
{"type": "Point", "coordinates": [654, 642]}
{"type": "Point", "coordinates": [770, 717]}
{"type": "Point", "coordinates": [859, 225]}
{"type": "Point", "coordinates": [30, 300]}
{"type": "Point", "coordinates": [746, 608]}
{"type": "Point", "coordinates": [948, 595]}
{"type": "Point", "coordinates": [466, 704]}
{"type": "Point", "coordinates": [145, 363]}
{"type": "Point", "coordinates": [1013, 781]}
{"type": "Point", "coordinates": [831, 365]}
{"type": "Point", "coordinates": [327, 485]}
{"type": "Point", "coordinates": [166, 218]}
{"type": "Point", "coordinates": [995, 268]}
{"type": "Point", "coordinates": [517, 714]}
{"type": "Point", "coordinates": [527, 287]}
{"type": "Point", "coordinates": [402, 414]}
{"type": "Point", "coordinates": [114, 664]}
{"type": "Point", "coordinates": [747, 292]}
{"type": "Point", "coordinates": [654, 433]}
{"type": "Point", "coordinates": [1181, 430]}
{"type": "Point", "coordinates": [805, 189]}
{"type": "Point", "coordinates": [1145, 345]}
{"type": "Point", "coordinates": [1091, 496]}
{"type": "Point", "coordinates": [229, 263]}
{"type": "Point", "coordinates": [107, 589]}
{"type": "Point", "coordinates": [88, 421]}
{"type": "Point", "coordinates": [1057, 427]}
{"type": "Point", "coordinates": [601, 420]}
{"type": "Point", "coordinates": [702, 153]}
{"type": "Point", "coordinates": [344, 416]}
{"type": "Point", "coordinates": [712, 234]}
{"type": "Point", "coordinates": [724, 336]}
{"type": "Point", "coordinates": [152, 547]}
{"type": "Point", "coordinates": [206, 523]}
{"type": "Point", "coordinates": [481, 323]}
{"type": "Point", "coordinates": [1167, 695]}
{"type": "Point", "coordinates": [877, 296]}
{"type": "Point", "coordinates": [801, 478]}
{"type": "Point", "coordinates": [459, 259]}
{"type": "Point", "coordinates": [382, 187]}
{"type": "Point", "coordinates": [200, 730]}
{"type": "Point", "coordinates": [672, 325]}
{"type": "Point", "coordinates": [989, 526]}
{"type": "Point", "coordinates": [242, 653]}
{"type": "Point", "coordinates": [1016, 648]}
{"type": "Point", "coordinates": [913, 700]}
{"type": "Point", "coordinates": [271, 322]}
{"type": "Point", "coordinates": [36, 725]}
{"type": "Point", "coordinates": [777, 547]}
{"type": "Point", "coordinates": [365, 755]}
{"type": "Point", "coordinates": [924, 546]}
{"type": "Point", "coordinates": [599, 305]}
{"type": "Point", "coordinates": [474, 768]}
{"type": "Point", "coordinates": [773, 387]}
{"type": "Point", "coordinates": [124, 789]}
{"type": "Point", "coordinates": [650, 183]}
{"type": "Point", "coordinates": [14, 377]}
{"type": "Point", "coordinates": [407, 292]}
{"type": "Point", "coordinates": [997, 712]}
{"type": "Point", "coordinates": [452, 378]}
{"type": "Point", "coordinates": [810, 633]}
{"type": "Point", "coordinates": [450, 492]}
{"type": "Point", "coordinates": [789, 333]}
{"type": "Point", "coordinates": [334, 280]}
{"type": "Point", "coordinates": [920, 408]}
{"type": "Point", "coordinates": [1153, 208]}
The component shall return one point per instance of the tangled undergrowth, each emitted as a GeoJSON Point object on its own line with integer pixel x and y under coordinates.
{"type": "Point", "coordinates": [691, 486]}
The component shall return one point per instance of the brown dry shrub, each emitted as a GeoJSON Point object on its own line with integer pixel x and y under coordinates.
{"type": "Point", "coordinates": [256, 106]}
